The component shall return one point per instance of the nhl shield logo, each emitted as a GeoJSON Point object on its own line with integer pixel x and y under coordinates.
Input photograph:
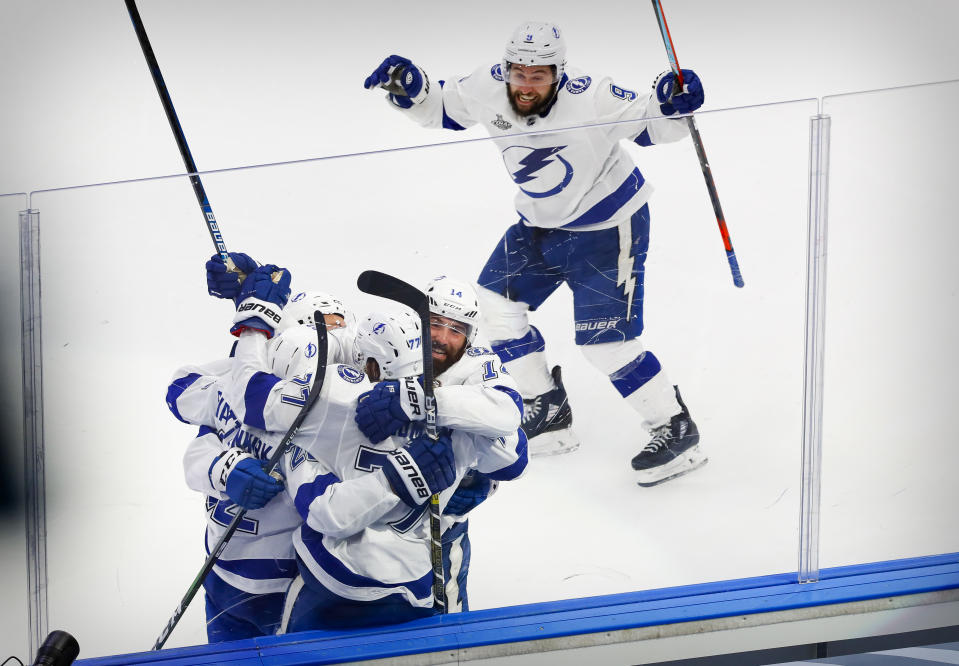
{"type": "Point", "coordinates": [501, 123]}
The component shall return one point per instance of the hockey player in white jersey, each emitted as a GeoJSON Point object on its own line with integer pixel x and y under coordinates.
{"type": "Point", "coordinates": [271, 403]}
{"type": "Point", "coordinates": [583, 220]}
{"type": "Point", "coordinates": [245, 591]}
{"type": "Point", "coordinates": [474, 393]}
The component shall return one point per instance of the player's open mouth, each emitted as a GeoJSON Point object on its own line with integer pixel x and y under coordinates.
{"type": "Point", "coordinates": [439, 353]}
{"type": "Point", "coordinates": [526, 100]}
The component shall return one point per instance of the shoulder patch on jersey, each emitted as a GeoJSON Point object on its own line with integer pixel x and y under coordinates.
{"type": "Point", "coordinates": [478, 351]}
{"type": "Point", "coordinates": [496, 71]}
{"type": "Point", "coordinates": [350, 374]}
{"type": "Point", "coordinates": [622, 93]}
{"type": "Point", "coordinates": [576, 86]}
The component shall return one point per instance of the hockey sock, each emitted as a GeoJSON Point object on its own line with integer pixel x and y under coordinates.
{"type": "Point", "coordinates": [525, 358]}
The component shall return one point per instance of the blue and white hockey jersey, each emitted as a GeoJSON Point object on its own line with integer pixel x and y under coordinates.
{"type": "Point", "coordinates": [358, 538]}
{"type": "Point", "coordinates": [578, 179]}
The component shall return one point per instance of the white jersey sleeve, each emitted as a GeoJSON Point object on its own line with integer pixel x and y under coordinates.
{"type": "Point", "coordinates": [477, 395]}
{"type": "Point", "coordinates": [199, 457]}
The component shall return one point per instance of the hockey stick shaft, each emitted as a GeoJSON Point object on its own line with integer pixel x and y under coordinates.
{"type": "Point", "coordinates": [700, 150]}
{"type": "Point", "coordinates": [387, 286]}
{"type": "Point", "coordinates": [205, 208]}
{"type": "Point", "coordinates": [322, 344]}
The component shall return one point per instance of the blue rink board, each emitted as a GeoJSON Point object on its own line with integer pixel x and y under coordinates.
{"type": "Point", "coordinates": [570, 617]}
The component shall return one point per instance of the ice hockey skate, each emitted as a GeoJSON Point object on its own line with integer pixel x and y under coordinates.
{"type": "Point", "coordinates": [673, 450]}
{"type": "Point", "coordinates": [548, 420]}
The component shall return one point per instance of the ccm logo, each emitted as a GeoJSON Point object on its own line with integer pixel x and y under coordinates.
{"type": "Point", "coordinates": [596, 325]}
{"type": "Point", "coordinates": [262, 309]}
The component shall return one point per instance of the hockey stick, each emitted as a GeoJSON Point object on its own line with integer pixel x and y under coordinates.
{"type": "Point", "coordinates": [269, 467]}
{"type": "Point", "coordinates": [698, 143]}
{"type": "Point", "coordinates": [387, 286]}
{"type": "Point", "coordinates": [205, 208]}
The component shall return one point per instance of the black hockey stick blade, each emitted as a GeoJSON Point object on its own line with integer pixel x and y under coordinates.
{"type": "Point", "coordinates": [322, 345]}
{"type": "Point", "coordinates": [395, 289]}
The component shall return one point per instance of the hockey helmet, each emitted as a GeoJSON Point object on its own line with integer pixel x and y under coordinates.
{"type": "Point", "coordinates": [300, 308]}
{"type": "Point", "coordinates": [394, 340]}
{"type": "Point", "coordinates": [535, 43]}
{"type": "Point", "coordinates": [456, 300]}
{"type": "Point", "coordinates": [292, 353]}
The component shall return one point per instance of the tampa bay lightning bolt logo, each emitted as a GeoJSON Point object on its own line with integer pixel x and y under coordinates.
{"type": "Point", "coordinates": [350, 374]}
{"type": "Point", "coordinates": [542, 170]}
{"type": "Point", "coordinates": [496, 71]}
{"type": "Point", "coordinates": [379, 328]}
{"type": "Point", "coordinates": [310, 351]}
{"type": "Point", "coordinates": [300, 296]}
{"type": "Point", "coordinates": [576, 86]}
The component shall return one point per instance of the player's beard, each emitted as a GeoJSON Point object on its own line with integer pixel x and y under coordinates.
{"type": "Point", "coordinates": [535, 108]}
{"type": "Point", "coordinates": [441, 365]}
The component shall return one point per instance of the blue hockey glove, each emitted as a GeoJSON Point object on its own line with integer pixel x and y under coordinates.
{"type": "Point", "coordinates": [225, 284]}
{"type": "Point", "coordinates": [421, 469]}
{"type": "Point", "coordinates": [261, 299]}
{"type": "Point", "coordinates": [406, 83]}
{"type": "Point", "coordinates": [390, 405]}
{"type": "Point", "coordinates": [687, 101]}
{"type": "Point", "coordinates": [471, 492]}
{"type": "Point", "coordinates": [240, 476]}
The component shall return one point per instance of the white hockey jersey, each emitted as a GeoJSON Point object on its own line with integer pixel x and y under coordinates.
{"type": "Point", "coordinates": [579, 179]}
{"type": "Point", "coordinates": [359, 540]}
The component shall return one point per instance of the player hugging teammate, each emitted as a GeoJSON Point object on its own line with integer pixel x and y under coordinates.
{"type": "Point", "coordinates": [340, 539]}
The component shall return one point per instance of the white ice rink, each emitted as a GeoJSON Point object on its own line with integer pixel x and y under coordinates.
{"type": "Point", "coordinates": [124, 299]}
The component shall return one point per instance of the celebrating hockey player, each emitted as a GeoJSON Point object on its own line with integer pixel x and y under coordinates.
{"type": "Point", "coordinates": [583, 220]}
{"type": "Point", "coordinates": [246, 588]}
{"type": "Point", "coordinates": [474, 394]}
{"type": "Point", "coordinates": [341, 491]}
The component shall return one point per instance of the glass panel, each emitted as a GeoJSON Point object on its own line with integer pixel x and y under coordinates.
{"type": "Point", "coordinates": [13, 573]}
{"type": "Point", "coordinates": [125, 305]}
{"type": "Point", "coordinates": [889, 444]}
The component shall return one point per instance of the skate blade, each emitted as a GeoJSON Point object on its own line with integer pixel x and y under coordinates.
{"type": "Point", "coordinates": [553, 443]}
{"type": "Point", "coordinates": [691, 460]}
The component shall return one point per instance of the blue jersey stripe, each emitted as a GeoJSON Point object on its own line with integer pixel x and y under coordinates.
{"type": "Point", "coordinates": [421, 587]}
{"type": "Point", "coordinates": [512, 471]}
{"type": "Point", "coordinates": [517, 398]}
{"type": "Point", "coordinates": [607, 207]}
{"type": "Point", "coordinates": [308, 492]}
{"type": "Point", "coordinates": [176, 389]}
{"type": "Point", "coordinates": [643, 139]}
{"type": "Point", "coordinates": [254, 399]}
{"type": "Point", "coordinates": [449, 123]}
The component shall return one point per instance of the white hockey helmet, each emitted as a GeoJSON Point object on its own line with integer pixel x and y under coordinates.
{"type": "Point", "coordinates": [536, 43]}
{"type": "Point", "coordinates": [394, 340]}
{"type": "Point", "coordinates": [292, 353]}
{"type": "Point", "coordinates": [300, 308]}
{"type": "Point", "coordinates": [456, 300]}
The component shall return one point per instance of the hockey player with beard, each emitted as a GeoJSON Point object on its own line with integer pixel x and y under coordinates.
{"type": "Point", "coordinates": [343, 496]}
{"type": "Point", "coordinates": [473, 392]}
{"type": "Point", "coordinates": [583, 220]}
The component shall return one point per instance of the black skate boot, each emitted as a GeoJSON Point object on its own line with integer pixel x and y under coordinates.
{"type": "Point", "coordinates": [547, 421]}
{"type": "Point", "coordinates": [673, 450]}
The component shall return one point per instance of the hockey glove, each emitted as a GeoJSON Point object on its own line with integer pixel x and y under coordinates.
{"type": "Point", "coordinates": [390, 405]}
{"type": "Point", "coordinates": [239, 475]}
{"type": "Point", "coordinates": [686, 101]}
{"type": "Point", "coordinates": [261, 299]}
{"type": "Point", "coordinates": [472, 491]}
{"type": "Point", "coordinates": [223, 283]}
{"type": "Point", "coordinates": [421, 469]}
{"type": "Point", "coordinates": [406, 83]}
